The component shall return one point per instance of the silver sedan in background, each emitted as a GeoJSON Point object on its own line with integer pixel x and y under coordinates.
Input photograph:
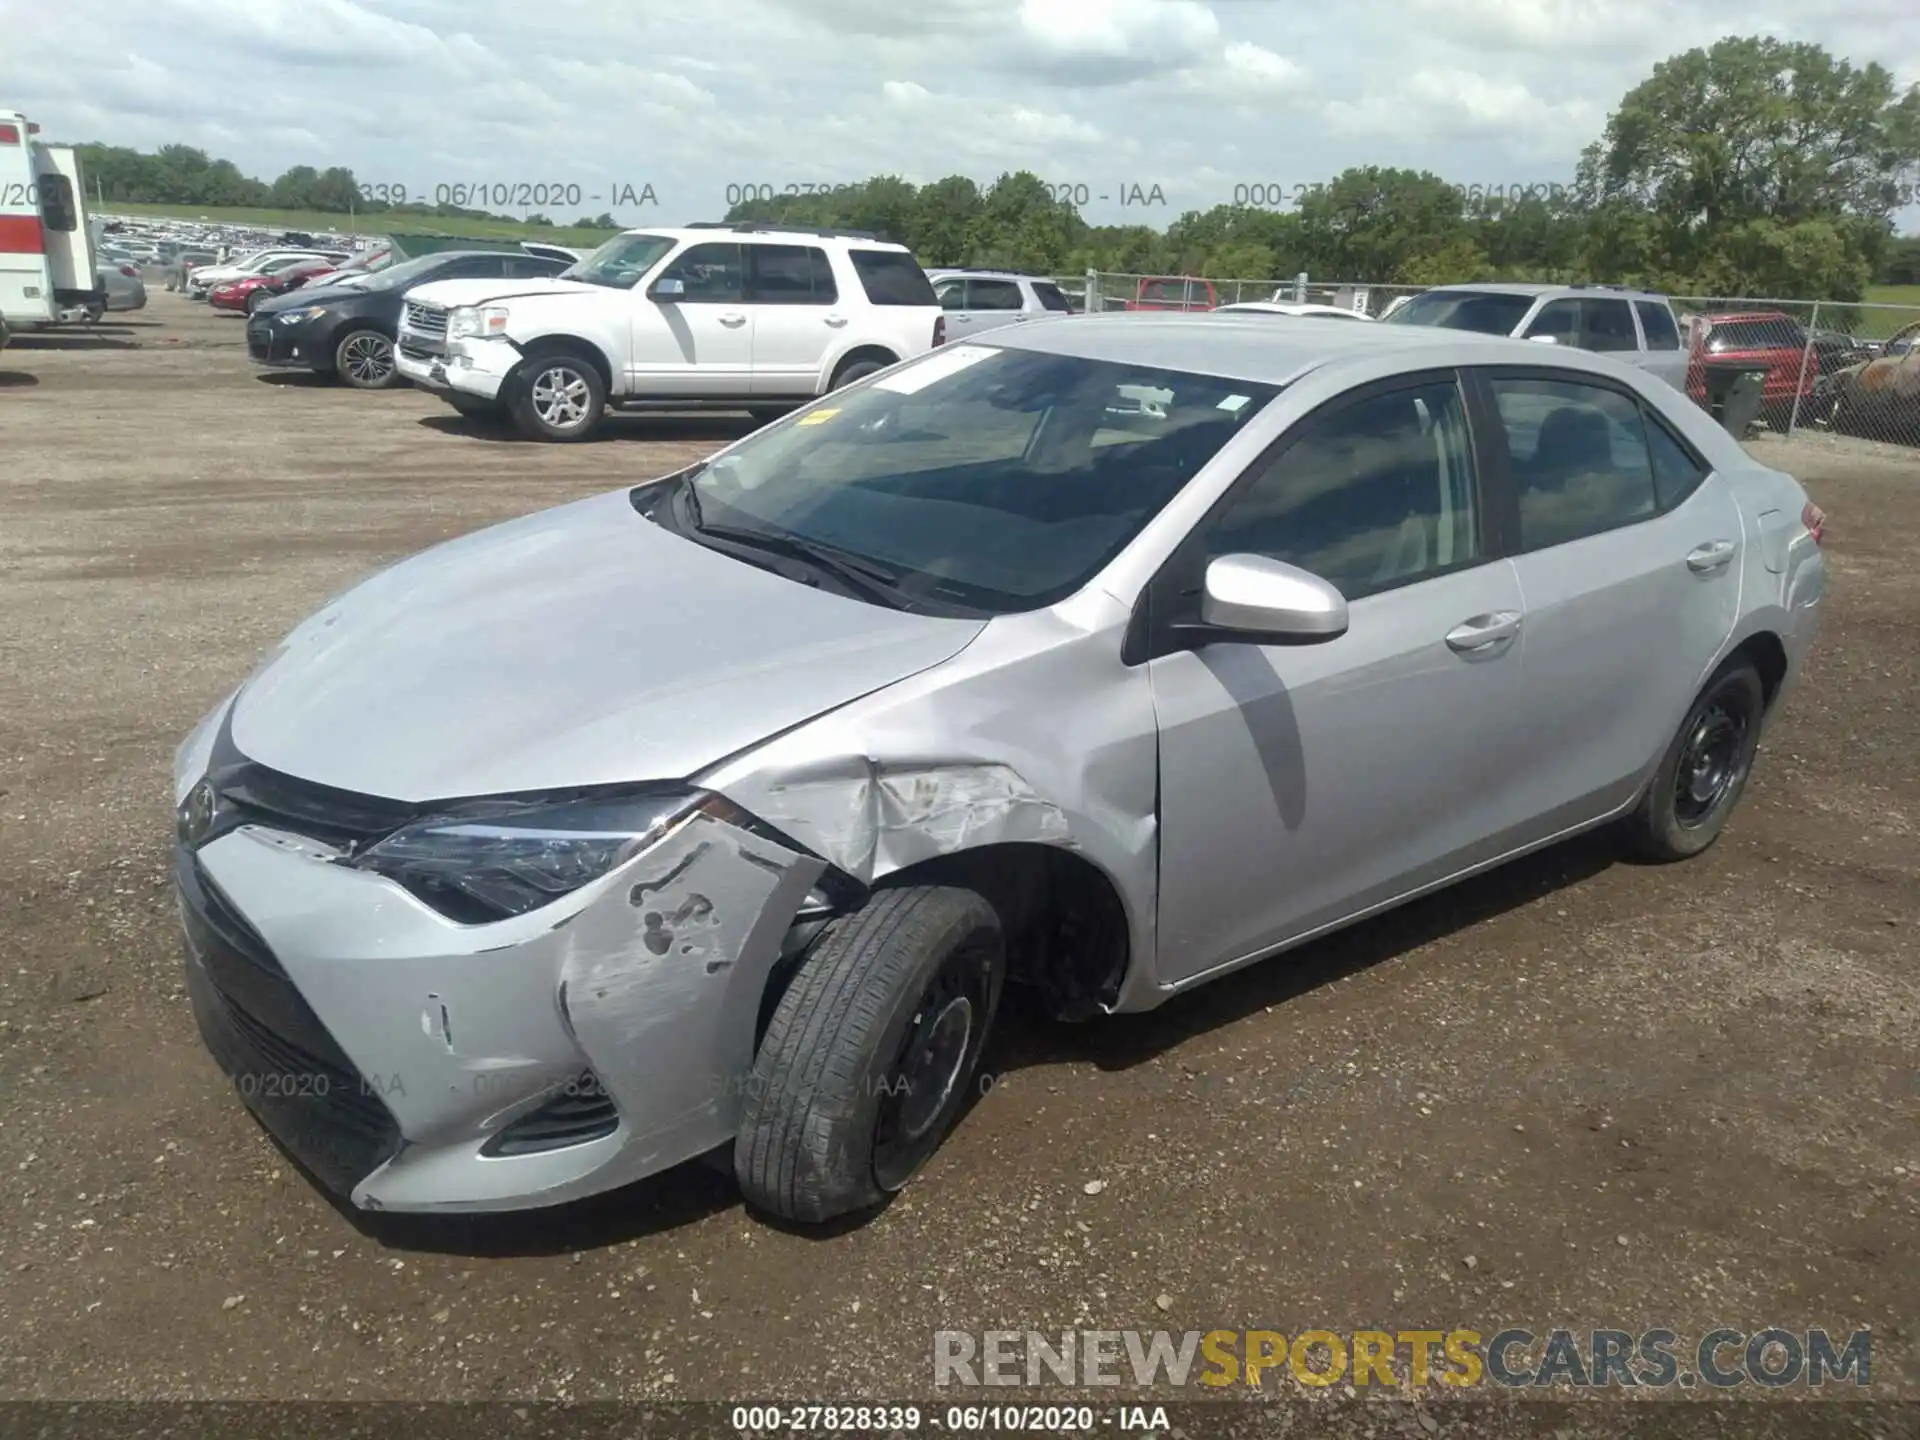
{"type": "Point", "coordinates": [711, 816]}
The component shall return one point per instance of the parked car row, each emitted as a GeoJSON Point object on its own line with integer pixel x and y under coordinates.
{"type": "Point", "coordinates": [725, 316]}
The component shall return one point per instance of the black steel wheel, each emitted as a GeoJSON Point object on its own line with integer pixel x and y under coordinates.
{"type": "Point", "coordinates": [1705, 769]}
{"type": "Point", "coordinates": [872, 1053]}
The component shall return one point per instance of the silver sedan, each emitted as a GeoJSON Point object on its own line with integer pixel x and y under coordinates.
{"type": "Point", "coordinates": [712, 816]}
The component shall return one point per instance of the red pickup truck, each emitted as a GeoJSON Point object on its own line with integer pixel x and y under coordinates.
{"type": "Point", "coordinates": [1172, 292]}
{"type": "Point", "coordinates": [1753, 339]}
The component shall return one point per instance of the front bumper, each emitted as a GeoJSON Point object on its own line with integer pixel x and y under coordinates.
{"type": "Point", "coordinates": [409, 1061]}
{"type": "Point", "coordinates": [478, 368]}
{"type": "Point", "coordinates": [285, 346]}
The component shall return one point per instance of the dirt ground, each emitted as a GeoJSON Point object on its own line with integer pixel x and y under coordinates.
{"type": "Point", "coordinates": [1577, 1092]}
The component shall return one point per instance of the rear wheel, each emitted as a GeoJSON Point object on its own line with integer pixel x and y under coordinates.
{"type": "Point", "coordinates": [856, 370]}
{"type": "Point", "coordinates": [557, 397]}
{"type": "Point", "coordinates": [1705, 768]}
{"type": "Point", "coordinates": [364, 360]}
{"type": "Point", "coordinates": [871, 1053]}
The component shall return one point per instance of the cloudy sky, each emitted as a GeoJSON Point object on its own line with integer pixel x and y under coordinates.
{"type": "Point", "coordinates": [1199, 98]}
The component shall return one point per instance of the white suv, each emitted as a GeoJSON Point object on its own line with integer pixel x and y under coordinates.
{"type": "Point", "coordinates": [728, 316]}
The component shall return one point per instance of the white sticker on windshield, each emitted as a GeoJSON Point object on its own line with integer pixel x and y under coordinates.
{"type": "Point", "coordinates": [1234, 404]}
{"type": "Point", "coordinates": [937, 366]}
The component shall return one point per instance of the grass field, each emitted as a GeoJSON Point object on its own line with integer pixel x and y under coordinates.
{"type": "Point", "coordinates": [370, 224]}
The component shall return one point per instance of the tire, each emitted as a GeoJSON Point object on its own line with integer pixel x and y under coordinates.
{"type": "Point", "coordinates": [1705, 769]}
{"type": "Point", "coordinates": [557, 397]}
{"type": "Point", "coordinates": [474, 408]}
{"type": "Point", "coordinates": [848, 1098]}
{"type": "Point", "coordinates": [253, 301]}
{"type": "Point", "coordinates": [364, 359]}
{"type": "Point", "coordinates": [856, 370]}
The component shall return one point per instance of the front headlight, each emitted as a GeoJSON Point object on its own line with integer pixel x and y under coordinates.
{"type": "Point", "coordinates": [302, 315]}
{"type": "Point", "coordinates": [474, 322]}
{"type": "Point", "coordinates": [493, 863]}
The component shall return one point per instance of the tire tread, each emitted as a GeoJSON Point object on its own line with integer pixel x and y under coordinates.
{"type": "Point", "coordinates": [813, 1058]}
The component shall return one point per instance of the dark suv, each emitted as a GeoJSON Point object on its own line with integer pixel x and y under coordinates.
{"type": "Point", "coordinates": [347, 330]}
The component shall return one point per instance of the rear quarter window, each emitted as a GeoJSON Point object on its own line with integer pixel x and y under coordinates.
{"type": "Point", "coordinates": [892, 277]}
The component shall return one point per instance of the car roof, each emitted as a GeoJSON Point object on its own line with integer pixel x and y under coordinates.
{"type": "Point", "coordinates": [1535, 287]}
{"type": "Point", "coordinates": [1253, 348]}
{"type": "Point", "coordinates": [799, 235]}
{"type": "Point", "coordinates": [1287, 307]}
{"type": "Point", "coordinates": [986, 274]}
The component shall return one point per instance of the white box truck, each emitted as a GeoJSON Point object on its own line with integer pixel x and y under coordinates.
{"type": "Point", "coordinates": [47, 262]}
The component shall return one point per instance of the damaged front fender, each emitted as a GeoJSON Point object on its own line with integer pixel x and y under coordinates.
{"type": "Point", "coordinates": [870, 819]}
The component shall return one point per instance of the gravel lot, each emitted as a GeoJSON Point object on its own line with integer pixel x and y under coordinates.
{"type": "Point", "coordinates": [1577, 1092]}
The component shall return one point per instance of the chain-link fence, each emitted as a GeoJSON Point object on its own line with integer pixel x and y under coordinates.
{"type": "Point", "coordinates": [1850, 368]}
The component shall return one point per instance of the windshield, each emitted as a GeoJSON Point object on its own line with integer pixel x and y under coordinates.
{"type": "Point", "coordinates": [1762, 334]}
{"type": "Point", "coordinates": [620, 262]}
{"type": "Point", "coordinates": [979, 480]}
{"type": "Point", "coordinates": [1484, 312]}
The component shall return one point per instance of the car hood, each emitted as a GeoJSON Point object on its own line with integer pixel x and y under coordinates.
{"type": "Point", "coordinates": [449, 293]}
{"type": "Point", "coordinates": [579, 646]}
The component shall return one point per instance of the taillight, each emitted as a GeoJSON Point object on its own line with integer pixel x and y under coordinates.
{"type": "Point", "coordinates": [940, 330]}
{"type": "Point", "coordinates": [1815, 519]}
{"type": "Point", "coordinates": [130, 272]}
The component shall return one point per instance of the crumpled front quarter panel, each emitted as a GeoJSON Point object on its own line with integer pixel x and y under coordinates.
{"type": "Point", "coordinates": [1035, 733]}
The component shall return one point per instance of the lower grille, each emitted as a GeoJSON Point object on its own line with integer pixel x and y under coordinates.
{"type": "Point", "coordinates": [281, 1059]}
{"type": "Point", "coordinates": [582, 1112]}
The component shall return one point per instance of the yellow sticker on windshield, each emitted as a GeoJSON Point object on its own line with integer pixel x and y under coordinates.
{"type": "Point", "coordinates": [816, 417]}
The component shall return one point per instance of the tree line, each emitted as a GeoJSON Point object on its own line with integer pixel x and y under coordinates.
{"type": "Point", "coordinates": [1752, 167]}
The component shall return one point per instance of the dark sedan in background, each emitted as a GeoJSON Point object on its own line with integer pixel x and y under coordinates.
{"type": "Point", "coordinates": [346, 330]}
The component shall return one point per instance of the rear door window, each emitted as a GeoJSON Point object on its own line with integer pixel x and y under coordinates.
{"type": "Point", "coordinates": [1657, 320]}
{"type": "Point", "coordinates": [789, 275]}
{"type": "Point", "coordinates": [1051, 296]}
{"type": "Point", "coordinates": [1580, 458]}
{"type": "Point", "coordinates": [57, 210]}
{"type": "Point", "coordinates": [1607, 325]}
{"type": "Point", "coordinates": [994, 295]}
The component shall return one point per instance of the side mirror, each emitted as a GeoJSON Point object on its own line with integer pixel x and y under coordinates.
{"type": "Point", "coordinates": [668, 289]}
{"type": "Point", "coordinates": [1544, 339]}
{"type": "Point", "coordinates": [1263, 597]}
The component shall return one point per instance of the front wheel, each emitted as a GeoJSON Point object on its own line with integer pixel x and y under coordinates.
{"type": "Point", "coordinates": [871, 1054]}
{"type": "Point", "coordinates": [364, 360]}
{"type": "Point", "coordinates": [557, 397]}
{"type": "Point", "coordinates": [1705, 768]}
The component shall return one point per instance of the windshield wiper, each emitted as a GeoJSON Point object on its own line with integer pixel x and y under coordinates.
{"type": "Point", "coordinates": [855, 574]}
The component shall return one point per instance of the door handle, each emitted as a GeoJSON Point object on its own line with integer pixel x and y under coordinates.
{"type": "Point", "coordinates": [733, 322]}
{"type": "Point", "coordinates": [836, 320]}
{"type": "Point", "coordinates": [1714, 555]}
{"type": "Point", "coordinates": [1483, 632]}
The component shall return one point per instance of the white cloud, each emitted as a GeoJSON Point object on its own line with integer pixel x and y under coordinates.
{"type": "Point", "coordinates": [1193, 96]}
